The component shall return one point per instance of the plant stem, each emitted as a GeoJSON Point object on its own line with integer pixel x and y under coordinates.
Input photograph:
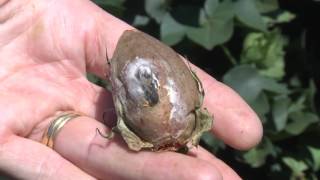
{"type": "Point", "coordinates": [229, 55]}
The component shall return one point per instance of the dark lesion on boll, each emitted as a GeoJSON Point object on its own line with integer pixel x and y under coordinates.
{"type": "Point", "coordinates": [151, 95]}
{"type": "Point", "coordinates": [149, 86]}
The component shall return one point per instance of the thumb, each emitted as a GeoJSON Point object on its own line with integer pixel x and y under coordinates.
{"type": "Point", "coordinates": [101, 39]}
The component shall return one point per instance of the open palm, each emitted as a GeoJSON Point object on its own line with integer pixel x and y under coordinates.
{"type": "Point", "coordinates": [46, 49]}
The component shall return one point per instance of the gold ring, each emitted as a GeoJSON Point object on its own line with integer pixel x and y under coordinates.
{"type": "Point", "coordinates": [56, 125]}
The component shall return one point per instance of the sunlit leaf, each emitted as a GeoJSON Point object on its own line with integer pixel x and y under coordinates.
{"type": "Point", "coordinates": [266, 51]}
{"type": "Point", "coordinates": [280, 18]}
{"type": "Point", "coordinates": [285, 17]}
{"type": "Point", "coordinates": [297, 167]}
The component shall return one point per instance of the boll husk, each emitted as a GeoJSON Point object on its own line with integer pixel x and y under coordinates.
{"type": "Point", "coordinates": [156, 95]}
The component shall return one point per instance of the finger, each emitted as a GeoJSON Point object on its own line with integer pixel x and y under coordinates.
{"type": "Point", "coordinates": [26, 159]}
{"type": "Point", "coordinates": [110, 159]}
{"type": "Point", "coordinates": [234, 121]}
{"type": "Point", "coordinates": [226, 171]}
{"type": "Point", "coordinates": [95, 101]}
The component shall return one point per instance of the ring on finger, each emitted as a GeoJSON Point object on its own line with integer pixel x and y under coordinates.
{"type": "Point", "coordinates": [56, 125]}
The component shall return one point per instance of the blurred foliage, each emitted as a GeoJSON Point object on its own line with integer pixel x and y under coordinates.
{"type": "Point", "coordinates": [243, 44]}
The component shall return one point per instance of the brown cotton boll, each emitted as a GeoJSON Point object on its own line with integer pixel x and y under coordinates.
{"type": "Point", "coordinates": [157, 97]}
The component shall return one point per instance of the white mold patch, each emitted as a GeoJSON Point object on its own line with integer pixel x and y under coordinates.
{"type": "Point", "coordinates": [142, 81]}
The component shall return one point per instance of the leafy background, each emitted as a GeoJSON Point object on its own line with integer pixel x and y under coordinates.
{"type": "Point", "coordinates": [268, 51]}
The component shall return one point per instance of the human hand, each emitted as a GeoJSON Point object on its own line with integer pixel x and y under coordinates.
{"type": "Point", "coordinates": [46, 49]}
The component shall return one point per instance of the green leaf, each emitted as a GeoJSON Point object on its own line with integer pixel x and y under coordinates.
{"type": "Point", "coordinates": [265, 6]}
{"type": "Point", "coordinates": [248, 14]}
{"type": "Point", "coordinates": [114, 3]}
{"type": "Point", "coordinates": [140, 20]}
{"type": "Point", "coordinates": [171, 32]}
{"type": "Point", "coordinates": [314, 176]}
{"type": "Point", "coordinates": [256, 157]}
{"type": "Point", "coordinates": [310, 93]}
{"type": "Point", "coordinates": [254, 48]}
{"type": "Point", "coordinates": [98, 81]}
{"type": "Point", "coordinates": [296, 166]}
{"type": "Point", "coordinates": [156, 9]}
{"type": "Point", "coordinates": [210, 6]}
{"type": "Point", "coordinates": [276, 167]}
{"type": "Point", "coordinates": [215, 29]}
{"type": "Point", "coordinates": [245, 80]}
{"type": "Point", "coordinates": [300, 121]}
{"type": "Point", "coordinates": [224, 11]}
{"type": "Point", "coordinates": [93, 78]}
{"type": "Point", "coordinates": [187, 15]}
{"type": "Point", "coordinates": [211, 35]}
{"type": "Point", "coordinates": [272, 85]}
{"type": "Point", "coordinates": [315, 153]}
{"type": "Point", "coordinates": [261, 105]}
{"type": "Point", "coordinates": [295, 82]}
{"type": "Point", "coordinates": [115, 7]}
{"type": "Point", "coordinates": [298, 105]}
{"type": "Point", "coordinates": [249, 83]}
{"type": "Point", "coordinates": [212, 142]}
{"type": "Point", "coordinates": [283, 17]}
{"type": "Point", "coordinates": [280, 112]}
